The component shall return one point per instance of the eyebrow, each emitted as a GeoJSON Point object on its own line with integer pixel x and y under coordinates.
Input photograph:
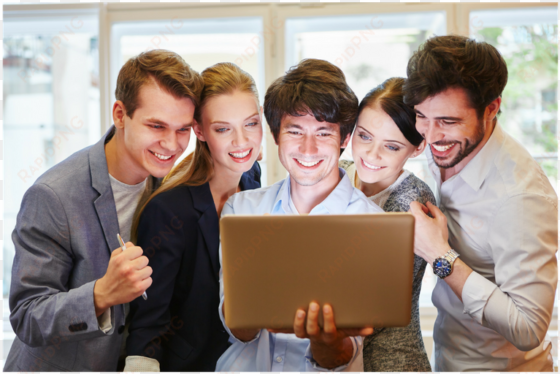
{"type": "Point", "coordinates": [226, 122]}
{"type": "Point", "coordinates": [385, 140]}
{"type": "Point", "coordinates": [163, 123]}
{"type": "Point", "coordinates": [442, 117]}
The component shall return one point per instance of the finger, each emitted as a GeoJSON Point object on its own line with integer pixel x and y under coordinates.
{"type": "Point", "coordinates": [416, 209]}
{"type": "Point", "coordinates": [144, 273]}
{"type": "Point", "coordinates": [132, 253]}
{"type": "Point", "coordinates": [116, 252]}
{"type": "Point", "coordinates": [129, 244]}
{"type": "Point", "coordinates": [140, 263]}
{"type": "Point", "coordinates": [328, 320]}
{"type": "Point", "coordinates": [435, 212]}
{"type": "Point", "coordinates": [312, 319]}
{"type": "Point", "coordinates": [299, 324]}
{"type": "Point", "coordinates": [144, 285]}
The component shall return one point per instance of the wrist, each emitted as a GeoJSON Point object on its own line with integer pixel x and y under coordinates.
{"type": "Point", "coordinates": [99, 298]}
{"type": "Point", "coordinates": [439, 251]}
{"type": "Point", "coordinates": [332, 356]}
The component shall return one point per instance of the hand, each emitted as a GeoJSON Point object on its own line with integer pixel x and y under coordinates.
{"type": "Point", "coordinates": [127, 277]}
{"type": "Point", "coordinates": [331, 347]}
{"type": "Point", "coordinates": [430, 234]}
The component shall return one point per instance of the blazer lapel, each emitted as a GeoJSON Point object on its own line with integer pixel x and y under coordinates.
{"type": "Point", "coordinates": [105, 203]}
{"type": "Point", "coordinates": [208, 223]}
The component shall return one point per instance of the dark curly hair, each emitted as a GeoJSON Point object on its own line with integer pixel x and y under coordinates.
{"type": "Point", "coordinates": [314, 87]}
{"type": "Point", "coordinates": [444, 62]}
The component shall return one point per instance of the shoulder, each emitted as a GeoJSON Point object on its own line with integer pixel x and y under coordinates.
{"type": "Point", "coordinates": [360, 203]}
{"type": "Point", "coordinates": [257, 201]}
{"type": "Point", "coordinates": [411, 189]}
{"type": "Point", "coordinates": [73, 172]}
{"type": "Point", "coordinates": [176, 199]}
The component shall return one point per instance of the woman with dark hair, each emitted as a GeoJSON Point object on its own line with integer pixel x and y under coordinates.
{"type": "Point", "coordinates": [384, 139]}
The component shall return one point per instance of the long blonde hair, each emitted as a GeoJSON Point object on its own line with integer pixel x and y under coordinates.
{"type": "Point", "coordinates": [198, 167]}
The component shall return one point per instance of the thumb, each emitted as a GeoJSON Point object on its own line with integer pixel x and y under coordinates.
{"type": "Point", "coordinates": [435, 212]}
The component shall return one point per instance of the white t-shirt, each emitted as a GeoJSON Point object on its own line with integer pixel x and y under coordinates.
{"type": "Point", "coordinates": [126, 198]}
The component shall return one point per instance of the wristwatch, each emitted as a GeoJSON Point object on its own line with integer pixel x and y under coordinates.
{"type": "Point", "coordinates": [443, 266]}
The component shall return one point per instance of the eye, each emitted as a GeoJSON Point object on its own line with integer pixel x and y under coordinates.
{"type": "Point", "coordinates": [221, 129]}
{"type": "Point", "coordinates": [294, 132]}
{"type": "Point", "coordinates": [418, 115]}
{"type": "Point", "coordinates": [156, 126]}
{"type": "Point", "coordinates": [448, 122]}
{"type": "Point", "coordinates": [392, 148]}
{"type": "Point", "coordinates": [252, 124]}
{"type": "Point", "coordinates": [364, 137]}
{"type": "Point", "coordinates": [185, 129]}
{"type": "Point", "coordinates": [324, 134]}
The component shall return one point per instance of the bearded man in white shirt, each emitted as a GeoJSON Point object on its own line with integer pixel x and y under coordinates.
{"type": "Point", "coordinates": [498, 213]}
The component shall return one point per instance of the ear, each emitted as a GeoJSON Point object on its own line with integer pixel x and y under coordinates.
{"type": "Point", "coordinates": [492, 109]}
{"type": "Point", "coordinates": [119, 112]}
{"type": "Point", "coordinates": [418, 151]}
{"type": "Point", "coordinates": [197, 128]}
{"type": "Point", "coordinates": [346, 140]}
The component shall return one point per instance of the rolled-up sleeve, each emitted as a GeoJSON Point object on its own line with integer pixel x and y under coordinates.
{"type": "Point", "coordinates": [523, 241]}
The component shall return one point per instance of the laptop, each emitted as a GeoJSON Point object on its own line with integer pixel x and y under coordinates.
{"type": "Point", "coordinates": [361, 264]}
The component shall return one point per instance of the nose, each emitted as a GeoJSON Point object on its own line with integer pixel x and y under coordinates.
{"type": "Point", "coordinates": [375, 153]}
{"type": "Point", "coordinates": [170, 142]}
{"type": "Point", "coordinates": [240, 139]}
{"type": "Point", "coordinates": [308, 145]}
{"type": "Point", "coordinates": [431, 132]}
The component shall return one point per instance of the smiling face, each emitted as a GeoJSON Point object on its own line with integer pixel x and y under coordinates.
{"type": "Point", "coordinates": [451, 127]}
{"type": "Point", "coordinates": [379, 148]}
{"type": "Point", "coordinates": [231, 126]}
{"type": "Point", "coordinates": [309, 149]}
{"type": "Point", "coordinates": [158, 133]}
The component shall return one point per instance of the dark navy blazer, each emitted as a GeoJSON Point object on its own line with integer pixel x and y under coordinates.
{"type": "Point", "coordinates": [179, 324]}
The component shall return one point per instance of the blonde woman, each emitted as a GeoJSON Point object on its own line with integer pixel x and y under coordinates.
{"type": "Point", "coordinates": [178, 327]}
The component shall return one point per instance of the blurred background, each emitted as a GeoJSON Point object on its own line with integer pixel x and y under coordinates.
{"type": "Point", "coordinates": [61, 62]}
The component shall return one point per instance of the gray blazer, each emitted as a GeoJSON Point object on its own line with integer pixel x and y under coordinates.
{"type": "Point", "coordinates": [66, 229]}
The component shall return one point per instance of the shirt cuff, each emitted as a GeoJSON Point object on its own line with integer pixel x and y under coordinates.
{"type": "Point", "coordinates": [104, 321]}
{"type": "Point", "coordinates": [141, 364]}
{"type": "Point", "coordinates": [233, 338]}
{"type": "Point", "coordinates": [476, 292]}
{"type": "Point", "coordinates": [355, 364]}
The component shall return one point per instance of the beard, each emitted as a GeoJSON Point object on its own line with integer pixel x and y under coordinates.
{"type": "Point", "coordinates": [464, 150]}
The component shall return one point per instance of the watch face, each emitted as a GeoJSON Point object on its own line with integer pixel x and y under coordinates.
{"type": "Point", "coordinates": [442, 268]}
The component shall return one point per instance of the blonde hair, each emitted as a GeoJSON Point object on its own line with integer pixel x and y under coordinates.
{"type": "Point", "coordinates": [198, 167]}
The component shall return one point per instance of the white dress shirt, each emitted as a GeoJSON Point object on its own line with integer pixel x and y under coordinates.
{"type": "Point", "coordinates": [286, 352]}
{"type": "Point", "coordinates": [502, 216]}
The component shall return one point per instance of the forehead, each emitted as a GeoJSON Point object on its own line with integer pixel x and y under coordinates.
{"type": "Point", "coordinates": [376, 121]}
{"type": "Point", "coordinates": [230, 105]}
{"type": "Point", "coordinates": [307, 122]}
{"type": "Point", "coordinates": [453, 100]}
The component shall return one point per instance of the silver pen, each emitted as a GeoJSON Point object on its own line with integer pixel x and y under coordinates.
{"type": "Point", "coordinates": [123, 246]}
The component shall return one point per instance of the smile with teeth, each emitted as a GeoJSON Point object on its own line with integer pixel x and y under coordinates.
{"type": "Point", "coordinates": [373, 167]}
{"type": "Point", "coordinates": [308, 164]}
{"type": "Point", "coordinates": [442, 148]}
{"type": "Point", "coordinates": [240, 154]}
{"type": "Point", "coordinates": [160, 156]}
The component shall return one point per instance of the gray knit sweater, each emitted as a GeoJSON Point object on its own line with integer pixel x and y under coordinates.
{"type": "Point", "coordinates": [401, 349]}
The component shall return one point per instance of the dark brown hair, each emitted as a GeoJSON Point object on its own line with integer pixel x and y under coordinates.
{"type": "Point", "coordinates": [389, 96]}
{"type": "Point", "coordinates": [166, 68]}
{"type": "Point", "coordinates": [444, 62]}
{"type": "Point", "coordinates": [314, 87]}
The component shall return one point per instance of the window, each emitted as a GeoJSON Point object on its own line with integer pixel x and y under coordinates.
{"type": "Point", "coordinates": [528, 41]}
{"type": "Point", "coordinates": [202, 43]}
{"type": "Point", "coordinates": [51, 101]}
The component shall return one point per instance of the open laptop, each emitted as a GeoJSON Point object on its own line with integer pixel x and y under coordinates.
{"type": "Point", "coordinates": [361, 264]}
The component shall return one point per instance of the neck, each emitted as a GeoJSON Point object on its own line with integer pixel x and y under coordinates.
{"type": "Point", "coordinates": [372, 189]}
{"type": "Point", "coordinates": [223, 184]}
{"type": "Point", "coordinates": [120, 164]}
{"type": "Point", "coordinates": [450, 172]}
{"type": "Point", "coordinates": [305, 198]}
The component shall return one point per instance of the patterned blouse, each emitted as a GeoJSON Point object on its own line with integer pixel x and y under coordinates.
{"type": "Point", "coordinates": [399, 349]}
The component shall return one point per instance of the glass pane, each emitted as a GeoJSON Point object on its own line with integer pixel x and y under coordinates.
{"type": "Point", "coordinates": [528, 41]}
{"type": "Point", "coordinates": [51, 107]}
{"type": "Point", "coordinates": [369, 49]}
{"type": "Point", "coordinates": [202, 43]}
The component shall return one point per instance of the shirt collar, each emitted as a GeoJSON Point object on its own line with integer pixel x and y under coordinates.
{"type": "Point", "coordinates": [336, 203]}
{"type": "Point", "coordinates": [476, 171]}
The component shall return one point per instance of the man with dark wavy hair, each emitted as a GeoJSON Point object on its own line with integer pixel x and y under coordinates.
{"type": "Point", "coordinates": [311, 112]}
{"type": "Point", "coordinates": [498, 213]}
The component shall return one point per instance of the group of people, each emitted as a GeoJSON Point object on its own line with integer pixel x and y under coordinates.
{"type": "Point", "coordinates": [491, 237]}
